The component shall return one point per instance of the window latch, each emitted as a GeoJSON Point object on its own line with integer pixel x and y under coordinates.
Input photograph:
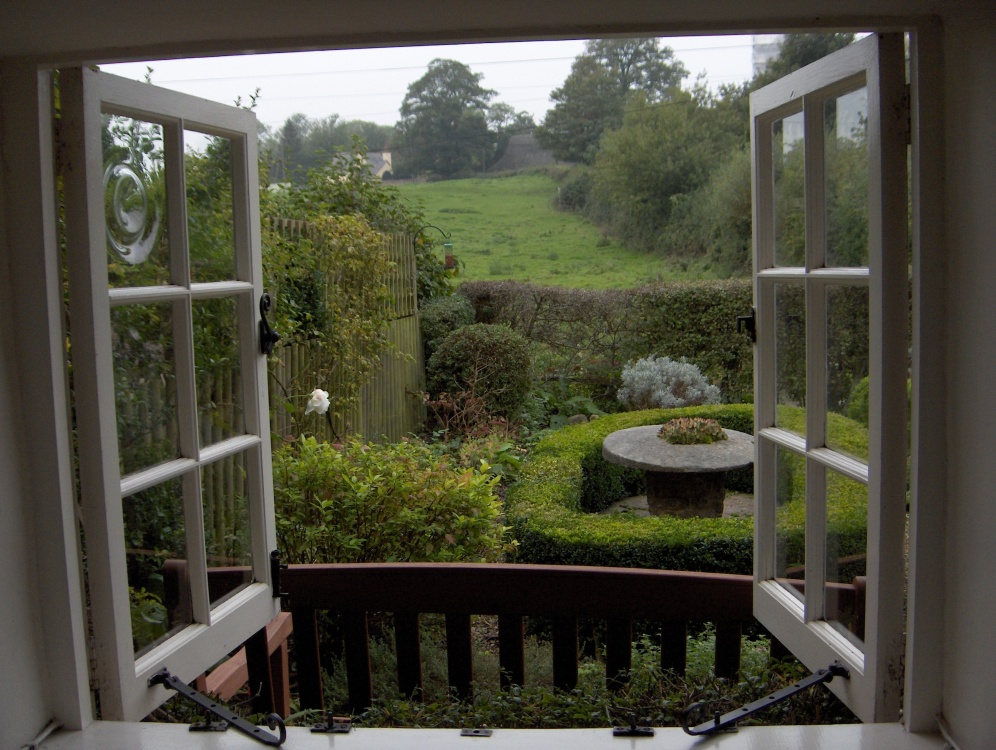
{"type": "Point", "coordinates": [749, 322]}
{"type": "Point", "coordinates": [727, 722]}
{"type": "Point", "coordinates": [172, 682]}
{"type": "Point", "coordinates": [267, 336]}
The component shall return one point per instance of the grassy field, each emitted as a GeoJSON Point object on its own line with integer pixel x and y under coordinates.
{"type": "Point", "coordinates": [507, 228]}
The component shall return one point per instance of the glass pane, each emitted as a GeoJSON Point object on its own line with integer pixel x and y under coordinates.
{"type": "Point", "coordinates": [158, 581]}
{"type": "Point", "coordinates": [846, 163]}
{"type": "Point", "coordinates": [847, 370]}
{"type": "Point", "coordinates": [847, 552]}
{"type": "Point", "coordinates": [790, 357]}
{"type": "Point", "coordinates": [144, 385]}
{"type": "Point", "coordinates": [790, 520]}
{"type": "Point", "coordinates": [787, 140]}
{"type": "Point", "coordinates": [207, 166]}
{"type": "Point", "coordinates": [216, 357]}
{"type": "Point", "coordinates": [135, 202]}
{"type": "Point", "coordinates": [226, 526]}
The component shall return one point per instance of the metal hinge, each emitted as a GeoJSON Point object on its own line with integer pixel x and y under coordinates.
{"type": "Point", "coordinates": [632, 730]}
{"type": "Point", "coordinates": [91, 651]}
{"type": "Point", "coordinates": [333, 725]}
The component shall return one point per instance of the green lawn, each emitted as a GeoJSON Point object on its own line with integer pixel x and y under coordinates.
{"type": "Point", "coordinates": [507, 228]}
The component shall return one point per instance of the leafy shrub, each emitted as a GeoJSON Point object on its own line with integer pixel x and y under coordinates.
{"type": "Point", "coordinates": [664, 383]}
{"type": "Point", "coordinates": [655, 696]}
{"type": "Point", "coordinates": [587, 334]}
{"type": "Point", "coordinates": [566, 481]}
{"type": "Point", "coordinates": [492, 362]}
{"type": "Point", "coordinates": [857, 405]}
{"type": "Point", "coordinates": [691, 431]}
{"type": "Point", "coordinates": [441, 316]}
{"type": "Point", "coordinates": [373, 503]}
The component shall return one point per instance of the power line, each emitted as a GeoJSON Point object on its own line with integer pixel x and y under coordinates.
{"type": "Point", "coordinates": [394, 69]}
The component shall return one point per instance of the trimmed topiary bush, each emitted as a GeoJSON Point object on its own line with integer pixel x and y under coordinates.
{"type": "Point", "coordinates": [566, 481]}
{"type": "Point", "coordinates": [441, 316]}
{"type": "Point", "coordinates": [665, 383]}
{"type": "Point", "coordinates": [486, 361]}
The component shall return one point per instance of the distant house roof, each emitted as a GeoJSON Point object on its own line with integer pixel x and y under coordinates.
{"type": "Point", "coordinates": [380, 163]}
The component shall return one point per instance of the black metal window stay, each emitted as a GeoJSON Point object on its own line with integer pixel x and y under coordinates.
{"type": "Point", "coordinates": [273, 721]}
{"type": "Point", "coordinates": [719, 723]}
{"type": "Point", "coordinates": [727, 722]}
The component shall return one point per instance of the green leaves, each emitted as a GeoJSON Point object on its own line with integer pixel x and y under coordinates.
{"type": "Point", "coordinates": [375, 503]}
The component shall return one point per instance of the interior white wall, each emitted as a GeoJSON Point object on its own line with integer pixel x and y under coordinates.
{"type": "Point", "coordinates": [969, 644]}
{"type": "Point", "coordinates": [24, 706]}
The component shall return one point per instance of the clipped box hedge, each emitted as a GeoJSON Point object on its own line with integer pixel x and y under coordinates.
{"type": "Point", "coordinates": [553, 508]}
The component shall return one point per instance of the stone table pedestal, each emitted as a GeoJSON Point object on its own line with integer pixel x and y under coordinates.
{"type": "Point", "coordinates": [682, 480]}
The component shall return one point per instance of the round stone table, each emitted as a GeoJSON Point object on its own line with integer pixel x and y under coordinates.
{"type": "Point", "coordinates": [682, 480]}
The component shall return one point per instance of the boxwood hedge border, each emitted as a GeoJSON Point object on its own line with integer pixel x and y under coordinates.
{"type": "Point", "coordinates": [553, 508]}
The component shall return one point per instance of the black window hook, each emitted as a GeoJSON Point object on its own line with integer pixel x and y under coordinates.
{"type": "Point", "coordinates": [267, 336]}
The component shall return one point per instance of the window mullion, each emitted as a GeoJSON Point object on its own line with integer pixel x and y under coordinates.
{"type": "Point", "coordinates": [186, 379]}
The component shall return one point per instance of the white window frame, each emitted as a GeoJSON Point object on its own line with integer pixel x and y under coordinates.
{"type": "Point", "coordinates": [873, 689]}
{"type": "Point", "coordinates": [122, 679]}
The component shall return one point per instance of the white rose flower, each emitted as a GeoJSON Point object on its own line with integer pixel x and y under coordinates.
{"type": "Point", "coordinates": [319, 402]}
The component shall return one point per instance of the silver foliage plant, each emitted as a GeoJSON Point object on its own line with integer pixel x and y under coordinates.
{"type": "Point", "coordinates": [665, 383]}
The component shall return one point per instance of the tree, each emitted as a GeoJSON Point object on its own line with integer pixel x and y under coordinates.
{"type": "Point", "coordinates": [659, 155]}
{"type": "Point", "coordinates": [443, 128]}
{"type": "Point", "coordinates": [639, 65]}
{"type": "Point", "coordinates": [595, 94]}
{"type": "Point", "coordinates": [588, 103]}
{"type": "Point", "coordinates": [799, 50]}
{"type": "Point", "coordinates": [504, 122]}
{"type": "Point", "coordinates": [303, 144]}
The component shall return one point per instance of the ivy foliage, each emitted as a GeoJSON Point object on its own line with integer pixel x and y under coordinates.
{"type": "Point", "coordinates": [383, 503]}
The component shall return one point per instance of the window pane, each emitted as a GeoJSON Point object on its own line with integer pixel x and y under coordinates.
{"type": "Point", "coordinates": [790, 357]}
{"type": "Point", "coordinates": [847, 370]}
{"type": "Point", "coordinates": [226, 526]}
{"type": "Point", "coordinates": [790, 520]}
{"type": "Point", "coordinates": [847, 552]}
{"type": "Point", "coordinates": [158, 583]}
{"type": "Point", "coordinates": [846, 164]}
{"type": "Point", "coordinates": [144, 385]}
{"type": "Point", "coordinates": [135, 202]}
{"type": "Point", "coordinates": [787, 141]}
{"type": "Point", "coordinates": [219, 379]}
{"type": "Point", "coordinates": [210, 232]}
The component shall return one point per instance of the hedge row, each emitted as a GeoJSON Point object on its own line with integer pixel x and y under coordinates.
{"type": "Point", "coordinates": [694, 320]}
{"type": "Point", "coordinates": [551, 509]}
{"type": "Point", "coordinates": [595, 332]}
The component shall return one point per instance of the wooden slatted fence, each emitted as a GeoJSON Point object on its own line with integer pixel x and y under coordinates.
{"type": "Point", "coordinates": [387, 407]}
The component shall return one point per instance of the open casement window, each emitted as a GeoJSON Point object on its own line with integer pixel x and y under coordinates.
{"type": "Point", "coordinates": [165, 283]}
{"type": "Point", "coordinates": [831, 291]}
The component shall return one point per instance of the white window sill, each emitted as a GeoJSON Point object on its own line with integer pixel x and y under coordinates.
{"type": "Point", "coordinates": [134, 736]}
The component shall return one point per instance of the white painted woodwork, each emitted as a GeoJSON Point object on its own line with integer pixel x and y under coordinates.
{"type": "Point", "coordinates": [876, 62]}
{"type": "Point", "coordinates": [123, 736]}
{"type": "Point", "coordinates": [950, 651]}
{"type": "Point", "coordinates": [123, 679]}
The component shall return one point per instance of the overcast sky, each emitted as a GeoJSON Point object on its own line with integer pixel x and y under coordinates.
{"type": "Point", "coordinates": [370, 84]}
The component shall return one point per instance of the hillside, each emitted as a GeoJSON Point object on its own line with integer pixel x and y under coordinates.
{"type": "Point", "coordinates": [507, 228]}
